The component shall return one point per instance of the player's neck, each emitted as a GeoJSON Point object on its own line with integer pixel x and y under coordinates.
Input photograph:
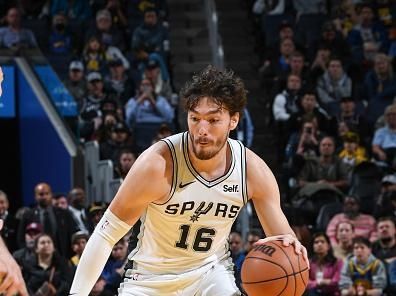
{"type": "Point", "coordinates": [212, 168]}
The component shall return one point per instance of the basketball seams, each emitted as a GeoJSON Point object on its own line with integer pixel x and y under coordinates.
{"type": "Point", "coordinates": [291, 264]}
{"type": "Point", "coordinates": [299, 268]}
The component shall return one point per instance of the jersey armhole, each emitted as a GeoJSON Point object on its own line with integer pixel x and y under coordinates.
{"type": "Point", "coordinates": [245, 195]}
{"type": "Point", "coordinates": [175, 168]}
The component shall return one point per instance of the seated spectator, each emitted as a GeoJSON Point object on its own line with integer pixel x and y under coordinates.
{"type": "Point", "coordinates": [150, 37]}
{"type": "Point", "coordinates": [60, 201]}
{"type": "Point", "coordinates": [353, 119]}
{"type": "Point", "coordinates": [76, 198]}
{"type": "Point", "coordinates": [343, 245]}
{"type": "Point", "coordinates": [327, 169]}
{"type": "Point", "coordinates": [99, 288]}
{"type": "Point", "coordinates": [379, 87]}
{"type": "Point", "coordinates": [286, 103]}
{"type": "Point", "coordinates": [120, 139]}
{"type": "Point", "coordinates": [125, 161]}
{"type": "Point", "coordinates": [56, 222]}
{"type": "Point", "coordinates": [364, 224]}
{"type": "Point", "coordinates": [94, 55]}
{"type": "Point", "coordinates": [79, 241]}
{"type": "Point", "coordinates": [309, 107]}
{"type": "Point", "coordinates": [366, 30]}
{"type": "Point", "coordinates": [60, 39]}
{"type": "Point", "coordinates": [325, 269]}
{"type": "Point", "coordinates": [252, 237]}
{"type": "Point", "coordinates": [75, 83]}
{"type": "Point", "coordinates": [352, 153]}
{"type": "Point", "coordinates": [384, 141]}
{"type": "Point", "coordinates": [74, 10]}
{"type": "Point", "coordinates": [363, 274]}
{"type": "Point", "coordinates": [14, 36]}
{"type": "Point", "coordinates": [96, 211]}
{"type": "Point", "coordinates": [8, 232]}
{"type": "Point", "coordinates": [385, 247]}
{"type": "Point", "coordinates": [114, 268]}
{"type": "Point", "coordinates": [47, 268]}
{"type": "Point", "coordinates": [237, 254]}
{"type": "Point", "coordinates": [296, 67]}
{"type": "Point", "coordinates": [319, 64]}
{"type": "Point", "coordinates": [118, 8]}
{"type": "Point", "coordinates": [148, 107]}
{"type": "Point", "coordinates": [90, 112]}
{"type": "Point", "coordinates": [161, 80]}
{"type": "Point", "coordinates": [119, 82]}
{"type": "Point", "coordinates": [33, 230]}
{"type": "Point", "coordinates": [136, 11]}
{"type": "Point", "coordinates": [333, 85]}
{"type": "Point", "coordinates": [386, 202]}
{"type": "Point", "coordinates": [106, 32]}
{"type": "Point", "coordinates": [245, 129]}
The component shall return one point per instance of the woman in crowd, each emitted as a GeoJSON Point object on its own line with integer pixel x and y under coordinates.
{"type": "Point", "coordinates": [46, 272]}
{"type": "Point", "coordinates": [325, 268]}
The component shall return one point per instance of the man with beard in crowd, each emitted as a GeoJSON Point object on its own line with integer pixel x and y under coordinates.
{"type": "Point", "coordinates": [385, 247]}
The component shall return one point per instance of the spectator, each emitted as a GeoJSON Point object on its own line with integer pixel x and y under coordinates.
{"type": "Point", "coordinates": [90, 112]}
{"type": "Point", "coordinates": [120, 139]}
{"type": "Point", "coordinates": [352, 153]}
{"type": "Point", "coordinates": [119, 81]}
{"type": "Point", "coordinates": [366, 30]}
{"type": "Point", "coordinates": [343, 245]}
{"type": "Point", "coordinates": [150, 37]}
{"type": "Point", "coordinates": [106, 32]}
{"type": "Point", "coordinates": [252, 237]}
{"type": "Point", "coordinates": [324, 272]}
{"type": "Point", "coordinates": [58, 223]}
{"type": "Point", "coordinates": [46, 269]}
{"type": "Point", "coordinates": [14, 36]}
{"type": "Point", "coordinates": [379, 87]}
{"type": "Point", "coordinates": [363, 274]}
{"type": "Point", "coordinates": [245, 129]}
{"type": "Point", "coordinates": [8, 232]}
{"type": "Point", "coordinates": [385, 247]}
{"type": "Point", "coordinates": [33, 230]}
{"type": "Point", "coordinates": [75, 10]}
{"type": "Point", "coordinates": [319, 64]}
{"type": "Point", "coordinates": [364, 225]}
{"type": "Point", "coordinates": [386, 202]}
{"type": "Point", "coordinates": [309, 108]}
{"type": "Point", "coordinates": [286, 103]}
{"type": "Point", "coordinates": [237, 255]}
{"type": "Point", "coordinates": [76, 199]}
{"type": "Point", "coordinates": [75, 82]}
{"type": "Point", "coordinates": [60, 39]}
{"type": "Point", "coordinates": [356, 122]}
{"type": "Point", "coordinates": [327, 169]}
{"type": "Point", "coordinates": [117, 8]}
{"type": "Point", "coordinates": [161, 81]}
{"type": "Point", "coordinates": [60, 201]}
{"type": "Point", "coordinates": [147, 107]}
{"type": "Point", "coordinates": [114, 268]}
{"type": "Point", "coordinates": [384, 141]}
{"type": "Point", "coordinates": [99, 288]}
{"type": "Point", "coordinates": [94, 55]}
{"type": "Point", "coordinates": [125, 161]}
{"type": "Point", "coordinates": [333, 85]}
{"type": "Point", "coordinates": [78, 240]}
{"type": "Point", "coordinates": [96, 211]}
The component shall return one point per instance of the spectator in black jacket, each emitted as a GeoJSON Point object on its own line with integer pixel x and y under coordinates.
{"type": "Point", "coordinates": [58, 223]}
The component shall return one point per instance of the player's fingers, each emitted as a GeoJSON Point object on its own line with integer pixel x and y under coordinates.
{"type": "Point", "coordinates": [297, 246]}
{"type": "Point", "coordinates": [5, 284]}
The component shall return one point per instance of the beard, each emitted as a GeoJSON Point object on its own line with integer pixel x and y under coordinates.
{"type": "Point", "coordinates": [207, 152]}
{"type": "Point", "coordinates": [386, 240]}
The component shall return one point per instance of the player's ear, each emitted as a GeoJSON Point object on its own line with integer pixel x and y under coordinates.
{"type": "Point", "coordinates": [234, 120]}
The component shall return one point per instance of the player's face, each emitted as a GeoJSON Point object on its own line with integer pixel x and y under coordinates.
{"type": "Point", "coordinates": [209, 126]}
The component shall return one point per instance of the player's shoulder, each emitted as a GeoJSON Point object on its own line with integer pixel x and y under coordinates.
{"type": "Point", "coordinates": [253, 161]}
{"type": "Point", "coordinates": [154, 159]}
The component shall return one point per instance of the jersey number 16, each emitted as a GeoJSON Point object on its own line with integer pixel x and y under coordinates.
{"type": "Point", "coordinates": [203, 238]}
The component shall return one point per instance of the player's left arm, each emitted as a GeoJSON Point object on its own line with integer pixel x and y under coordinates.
{"type": "Point", "coordinates": [264, 192]}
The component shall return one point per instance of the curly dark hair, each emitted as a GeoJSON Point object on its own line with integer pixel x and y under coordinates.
{"type": "Point", "coordinates": [222, 86]}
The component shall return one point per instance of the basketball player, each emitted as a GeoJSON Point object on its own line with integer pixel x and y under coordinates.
{"type": "Point", "coordinates": [11, 280]}
{"type": "Point", "coordinates": [188, 190]}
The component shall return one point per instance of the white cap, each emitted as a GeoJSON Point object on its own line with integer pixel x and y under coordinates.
{"type": "Point", "coordinates": [389, 179]}
{"type": "Point", "coordinates": [94, 76]}
{"type": "Point", "coordinates": [76, 65]}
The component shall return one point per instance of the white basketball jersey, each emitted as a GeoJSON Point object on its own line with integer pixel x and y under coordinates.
{"type": "Point", "coordinates": [191, 228]}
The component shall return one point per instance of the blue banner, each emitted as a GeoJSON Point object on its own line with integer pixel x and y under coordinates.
{"type": "Point", "coordinates": [7, 100]}
{"type": "Point", "coordinates": [61, 97]}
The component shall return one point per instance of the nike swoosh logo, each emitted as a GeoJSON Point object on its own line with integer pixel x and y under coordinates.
{"type": "Point", "coordinates": [181, 185]}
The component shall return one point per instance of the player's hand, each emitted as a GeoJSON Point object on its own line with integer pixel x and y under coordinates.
{"type": "Point", "coordinates": [11, 280]}
{"type": "Point", "coordinates": [287, 240]}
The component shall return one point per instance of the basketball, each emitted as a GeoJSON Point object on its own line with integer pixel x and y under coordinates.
{"type": "Point", "coordinates": [274, 270]}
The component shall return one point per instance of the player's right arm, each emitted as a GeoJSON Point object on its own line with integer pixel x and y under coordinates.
{"type": "Point", "coordinates": [148, 180]}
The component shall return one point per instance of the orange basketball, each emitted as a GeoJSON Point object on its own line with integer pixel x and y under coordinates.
{"type": "Point", "coordinates": [274, 270]}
